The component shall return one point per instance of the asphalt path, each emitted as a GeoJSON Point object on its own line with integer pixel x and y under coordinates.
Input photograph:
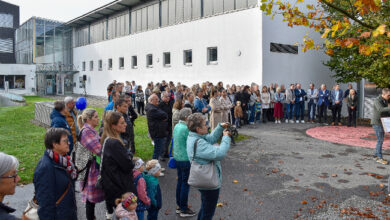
{"type": "Point", "coordinates": [281, 173]}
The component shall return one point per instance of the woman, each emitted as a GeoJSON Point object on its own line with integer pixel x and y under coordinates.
{"type": "Point", "coordinates": [232, 98]}
{"type": "Point", "coordinates": [189, 98]}
{"type": "Point", "coordinates": [265, 103]}
{"type": "Point", "coordinates": [352, 107]}
{"type": "Point", "coordinates": [177, 106]}
{"type": "Point", "coordinates": [140, 99]}
{"type": "Point", "coordinates": [226, 107]}
{"type": "Point", "coordinates": [54, 177]}
{"type": "Point", "coordinates": [148, 91]}
{"type": "Point", "coordinates": [278, 111]}
{"type": "Point", "coordinates": [180, 134]}
{"type": "Point", "coordinates": [252, 105]}
{"type": "Point", "coordinates": [216, 109]}
{"type": "Point", "coordinates": [8, 180]}
{"type": "Point", "coordinates": [89, 138]}
{"type": "Point", "coordinates": [117, 165]}
{"type": "Point", "coordinates": [271, 91]}
{"type": "Point", "coordinates": [206, 94]}
{"type": "Point", "coordinates": [206, 153]}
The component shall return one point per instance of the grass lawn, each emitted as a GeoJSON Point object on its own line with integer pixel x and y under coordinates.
{"type": "Point", "coordinates": [21, 138]}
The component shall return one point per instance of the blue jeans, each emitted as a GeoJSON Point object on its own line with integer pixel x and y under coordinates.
{"type": "Point", "coordinates": [209, 203]}
{"type": "Point", "coordinates": [253, 111]}
{"type": "Point", "coordinates": [141, 215]}
{"type": "Point", "coordinates": [182, 188]}
{"type": "Point", "coordinates": [311, 107]}
{"type": "Point", "coordinates": [300, 110]}
{"type": "Point", "coordinates": [258, 116]}
{"type": "Point", "coordinates": [153, 213]}
{"type": "Point", "coordinates": [380, 136]}
{"type": "Point", "coordinates": [289, 111]}
{"type": "Point", "coordinates": [159, 144]}
{"type": "Point", "coordinates": [237, 122]}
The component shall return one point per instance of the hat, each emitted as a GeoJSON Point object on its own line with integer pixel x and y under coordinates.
{"type": "Point", "coordinates": [129, 200]}
{"type": "Point", "coordinates": [138, 164]}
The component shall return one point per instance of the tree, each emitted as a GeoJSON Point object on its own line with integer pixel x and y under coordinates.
{"type": "Point", "coordinates": [356, 33]}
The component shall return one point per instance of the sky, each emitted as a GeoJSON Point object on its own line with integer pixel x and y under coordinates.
{"type": "Point", "coordinates": [60, 10]}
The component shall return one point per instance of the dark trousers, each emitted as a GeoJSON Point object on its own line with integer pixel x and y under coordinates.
{"type": "Point", "coordinates": [352, 116]}
{"type": "Point", "coordinates": [140, 108]}
{"type": "Point", "coordinates": [336, 112]}
{"type": "Point", "coordinates": [245, 114]}
{"type": "Point", "coordinates": [265, 114]}
{"type": "Point", "coordinates": [110, 205]}
{"type": "Point", "coordinates": [300, 110]}
{"type": "Point", "coordinates": [165, 150]}
{"type": "Point", "coordinates": [182, 188]}
{"type": "Point", "coordinates": [90, 210]}
{"type": "Point", "coordinates": [153, 213]}
{"type": "Point", "coordinates": [323, 113]}
{"type": "Point", "coordinates": [159, 144]}
{"type": "Point", "coordinates": [209, 203]}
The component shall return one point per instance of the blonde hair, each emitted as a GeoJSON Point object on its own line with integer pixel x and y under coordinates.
{"type": "Point", "coordinates": [87, 114]}
{"type": "Point", "coordinates": [150, 164]}
{"type": "Point", "coordinates": [111, 118]}
{"type": "Point", "coordinates": [124, 196]}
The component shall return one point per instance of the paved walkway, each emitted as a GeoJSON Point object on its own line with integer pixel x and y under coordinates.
{"type": "Point", "coordinates": [282, 173]}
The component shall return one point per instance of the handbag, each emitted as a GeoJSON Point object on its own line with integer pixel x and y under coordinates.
{"type": "Point", "coordinates": [82, 158]}
{"type": "Point", "coordinates": [31, 212]}
{"type": "Point", "coordinates": [99, 181]}
{"type": "Point", "coordinates": [172, 161]}
{"type": "Point", "coordinates": [202, 176]}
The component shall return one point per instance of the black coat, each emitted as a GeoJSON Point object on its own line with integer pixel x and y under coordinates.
{"type": "Point", "coordinates": [157, 121]}
{"type": "Point", "coordinates": [167, 108]}
{"type": "Point", "coordinates": [128, 136]}
{"type": "Point", "coordinates": [117, 170]}
{"type": "Point", "coordinates": [132, 114]}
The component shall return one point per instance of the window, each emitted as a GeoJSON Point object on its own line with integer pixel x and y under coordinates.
{"type": "Point", "coordinates": [110, 64]}
{"type": "Point", "coordinates": [283, 48]}
{"type": "Point", "coordinates": [167, 59]}
{"type": "Point", "coordinates": [6, 45]}
{"type": "Point", "coordinates": [14, 81]}
{"type": "Point", "coordinates": [121, 63]}
{"type": "Point", "coordinates": [212, 55]}
{"type": "Point", "coordinates": [91, 65]}
{"type": "Point", "coordinates": [1, 81]}
{"type": "Point", "coordinates": [134, 62]}
{"type": "Point", "coordinates": [84, 66]}
{"type": "Point", "coordinates": [20, 82]}
{"type": "Point", "coordinates": [6, 20]}
{"type": "Point", "coordinates": [149, 60]}
{"type": "Point", "coordinates": [100, 65]}
{"type": "Point", "coordinates": [188, 57]}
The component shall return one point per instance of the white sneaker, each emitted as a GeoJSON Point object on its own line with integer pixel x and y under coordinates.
{"type": "Point", "coordinates": [162, 174]}
{"type": "Point", "coordinates": [162, 169]}
{"type": "Point", "coordinates": [276, 121]}
{"type": "Point", "coordinates": [286, 120]}
{"type": "Point", "coordinates": [297, 121]}
{"type": "Point", "coordinates": [292, 121]}
{"type": "Point", "coordinates": [302, 121]}
{"type": "Point", "coordinates": [279, 122]}
{"type": "Point", "coordinates": [109, 216]}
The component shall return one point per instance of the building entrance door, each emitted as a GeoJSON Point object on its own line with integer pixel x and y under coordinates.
{"type": "Point", "coordinates": [50, 85]}
{"type": "Point", "coordinates": [68, 84]}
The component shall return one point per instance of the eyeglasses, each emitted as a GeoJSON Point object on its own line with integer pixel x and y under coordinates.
{"type": "Point", "coordinates": [65, 141]}
{"type": "Point", "coordinates": [8, 177]}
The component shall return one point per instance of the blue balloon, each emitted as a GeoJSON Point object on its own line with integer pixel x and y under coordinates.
{"type": "Point", "coordinates": [81, 103]}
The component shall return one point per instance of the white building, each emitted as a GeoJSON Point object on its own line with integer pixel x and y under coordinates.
{"type": "Point", "coordinates": [17, 79]}
{"type": "Point", "coordinates": [190, 41]}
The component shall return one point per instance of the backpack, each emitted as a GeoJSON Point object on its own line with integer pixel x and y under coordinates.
{"type": "Point", "coordinates": [140, 205]}
{"type": "Point", "coordinates": [82, 159]}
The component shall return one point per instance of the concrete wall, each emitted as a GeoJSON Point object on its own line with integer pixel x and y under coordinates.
{"type": "Point", "coordinates": [20, 69]}
{"type": "Point", "coordinates": [237, 35]}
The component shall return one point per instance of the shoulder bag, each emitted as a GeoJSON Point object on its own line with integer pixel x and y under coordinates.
{"type": "Point", "coordinates": [99, 182]}
{"type": "Point", "coordinates": [202, 176]}
{"type": "Point", "coordinates": [172, 161]}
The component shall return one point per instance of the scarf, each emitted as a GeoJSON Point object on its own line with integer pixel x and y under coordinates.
{"type": "Point", "coordinates": [65, 162]}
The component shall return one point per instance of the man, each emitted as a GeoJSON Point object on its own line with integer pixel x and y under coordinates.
{"type": "Point", "coordinates": [157, 124]}
{"type": "Point", "coordinates": [128, 136]}
{"type": "Point", "coordinates": [130, 111]}
{"type": "Point", "coordinates": [337, 100]}
{"type": "Point", "coordinates": [381, 109]}
{"type": "Point", "coordinates": [346, 93]}
{"type": "Point", "coordinates": [134, 88]}
{"type": "Point", "coordinates": [201, 105]}
{"type": "Point", "coordinates": [119, 88]}
{"type": "Point", "coordinates": [58, 120]}
{"type": "Point", "coordinates": [71, 117]}
{"type": "Point", "coordinates": [299, 103]}
{"type": "Point", "coordinates": [290, 101]}
{"type": "Point", "coordinates": [312, 95]}
{"type": "Point", "coordinates": [163, 86]}
{"type": "Point", "coordinates": [110, 106]}
{"type": "Point", "coordinates": [166, 105]}
{"type": "Point", "coordinates": [323, 103]}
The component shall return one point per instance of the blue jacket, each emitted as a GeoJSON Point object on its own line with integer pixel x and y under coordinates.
{"type": "Point", "coordinates": [50, 182]}
{"type": "Point", "coordinates": [206, 152]}
{"type": "Point", "coordinates": [199, 104]}
{"type": "Point", "coordinates": [279, 98]}
{"type": "Point", "coordinates": [339, 98]}
{"type": "Point", "coordinates": [109, 106]}
{"type": "Point", "coordinates": [299, 95]}
{"type": "Point", "coordinates": [323, 97]}
{"type": "Point", "coordinates": [58, 121]}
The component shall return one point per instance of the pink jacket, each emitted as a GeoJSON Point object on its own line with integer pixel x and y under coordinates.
{"type": "Point", "coordinates": [141, 188]}
{"type": "Point", "coordinates": [122, 213]}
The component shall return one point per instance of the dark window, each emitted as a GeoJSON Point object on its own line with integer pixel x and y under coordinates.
{"type": "Point", "coordinates": [1, 81]}
{"type": "Point", "coordinates": [100, 65]}
{"type": "Point", "coordinates": [187, 57]}
{"type": "Point", "coordinates": [91, 65]}
{"type": "Point", "coordinates": [212, 55]}
{"type": "Point", "coordinates": [134, 62]}
{"type": "Point", "coordinates": [167, 59]}
{"type": "Point", "coordinates": [284, 48]}
{"type": "Point", "coordinates": [11, 81]}
{"type": "Point", "coordinates": [83, 66]}
{"type": "Point", "coordinates": [20, 82]}
{"type": "Point", "coordinates": [149, 60]}
{"type": "Point", "coordinates": [121, 62]}
{"type": "Point", "coordinates": [109, 64]}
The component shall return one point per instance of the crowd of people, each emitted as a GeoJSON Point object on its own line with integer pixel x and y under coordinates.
{"type": "Point", "coordinates": [179, 116]}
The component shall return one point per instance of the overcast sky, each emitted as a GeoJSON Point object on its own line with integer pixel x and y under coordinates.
{"type": "Point", "coordinates": [60, 10]}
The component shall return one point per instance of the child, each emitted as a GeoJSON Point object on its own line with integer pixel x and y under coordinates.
{"type": "Point", "coordinates": [126, 206]}
{"type": "Point", "coordinates": [258, 109]}
{"type": "Point", "coordinates": [140, 185]}
{"type": "Point", "coordinates": [238, 114]}
{"type": "Point", "coordinates": [153, 170]}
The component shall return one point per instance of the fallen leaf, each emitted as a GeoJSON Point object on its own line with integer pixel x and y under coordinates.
{"type": "Point", "coordinates": [275, 170]}
{"type": "Point", "coordinates": [323, 201]}
{"type": "Point", "coordinates": [297, 215]}
{"type": "Point", "coordinates": [296, 180]}
{"type": "Point", "coordinates": [219, 204]}
{"type": "Point", "coordinates": [312, 211]}
{"type": "Point", "coordinates": [281, 161]}
{"type": "Point", "coordinates": [334, 175]}
{"type": "Point", "coordinates": [304, 202]}
{"type": "Point", "coordinates": [235, 181]}
{"type": "Point", "coordinates": [245, 189]}
{"type": "Point", "coordinates": [167, 212]}
{"type": "Point", "coordinates": [379, 177]}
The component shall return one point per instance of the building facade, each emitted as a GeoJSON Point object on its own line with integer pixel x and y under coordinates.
{"type": "Point", "coordinates": [9, 22]}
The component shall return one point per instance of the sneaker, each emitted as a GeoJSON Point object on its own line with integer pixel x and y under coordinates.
{"type": "Point", "coordinates": [332, 123]}
{"type": "Point", "coordinates": [279, 122]}
{"type": "Point", "coordinates": [251, 123]}
{"type": "Point", "coordinates": [187, 213]}
{"type": "Point", "coordinates": [276, 122]}
{"type": "Point", "coordinates": [302, 121]}
{"type": "Point", "coordinates": [340, 124]}
{"type": "Point", "coordinates": [292, 121]}
{"type": "Point", "coordinates": [382, 161]}
{"type": "Point", "coordinates": [109, 216]}
{"type": "Point", "coordinates": [375, 158]}
{"type": "Point", "coordinates": [286, 120]}
{"type": "Point", "coordinates": [162, 174]}
{"type": "Point", "coordinates": [297, 121]}
{"type": "Point", "coordinates": [178, 211]}
{"type": "Point", "coordinates": [162, 169]}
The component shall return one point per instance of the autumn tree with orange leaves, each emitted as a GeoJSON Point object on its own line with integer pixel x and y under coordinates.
{"type": "Point", "coordinates": [356, 34]}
